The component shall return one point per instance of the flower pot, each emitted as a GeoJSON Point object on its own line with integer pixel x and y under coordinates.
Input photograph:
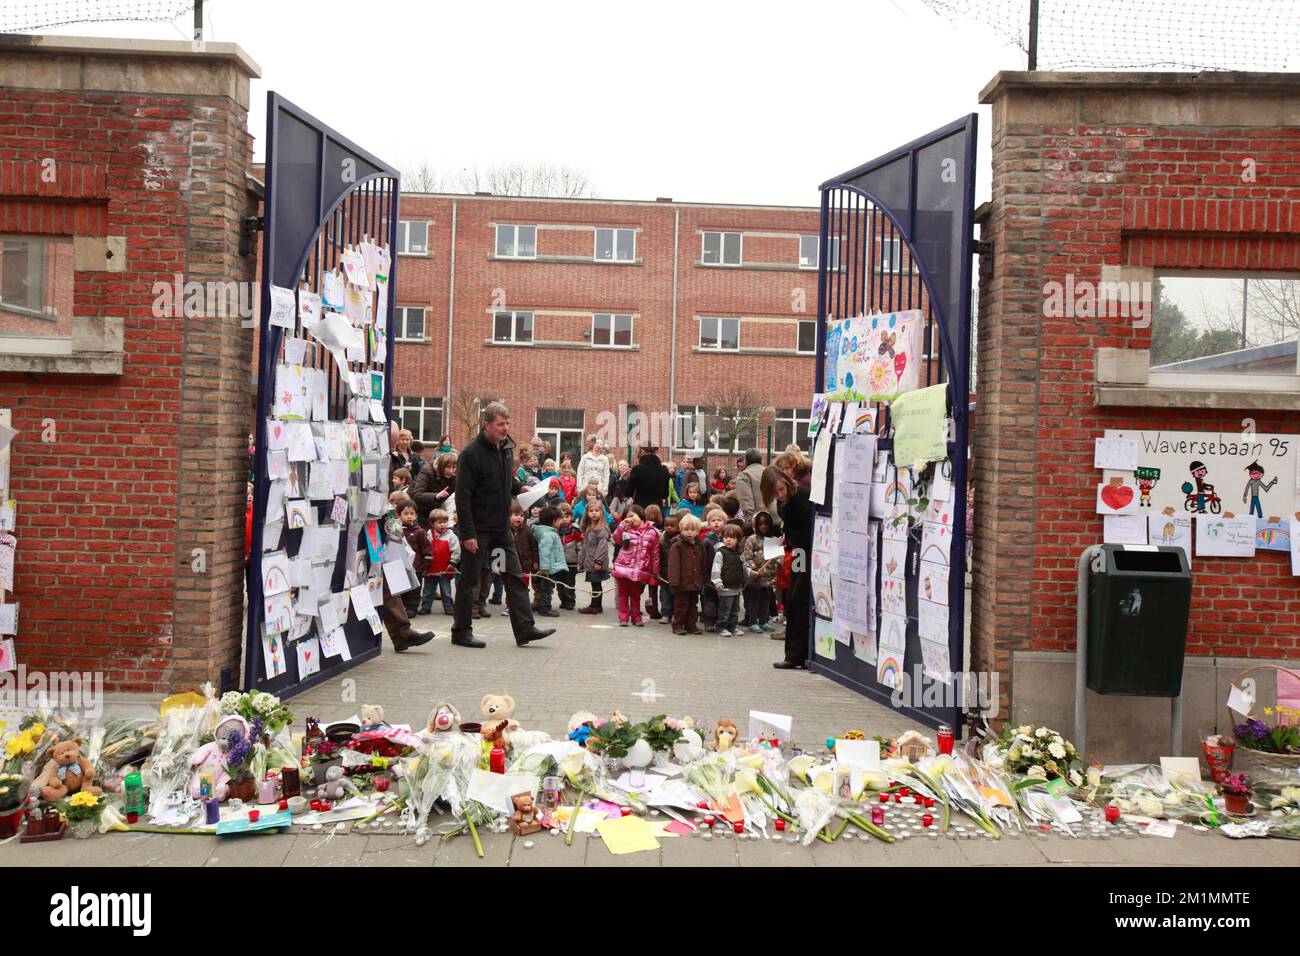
{"type": "Point", "coordinates": [10, 820]}
{"type": "Point", "coordinates": [243, 790]}
{"type": "Point", "coordinates": [1238, 803]}
{"type": "Point", "coordinates": [85, 828]}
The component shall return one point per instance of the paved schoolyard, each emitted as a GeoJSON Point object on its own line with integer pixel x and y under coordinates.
{"type": "Point", "coordinates": [594, 664]}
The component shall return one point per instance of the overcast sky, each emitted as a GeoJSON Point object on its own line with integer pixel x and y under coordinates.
{"type": "Point", "coordinates": [709, 100]}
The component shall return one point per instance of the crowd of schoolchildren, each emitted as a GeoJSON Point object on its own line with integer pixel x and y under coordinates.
{"type": "Point", "coordinates": [680, 547]}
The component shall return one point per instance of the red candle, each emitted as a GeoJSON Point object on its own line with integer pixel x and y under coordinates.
{"type": "Point", "coordinates": [918, 799]}
{"type": "Point", "coordinates": [315, 804]}
{"type": "Point", "coordinates": [780, 823]}
{"type": "Point", "coordinates": [132, 816]}
{"type": "Point", "coordinates": [253, 815]}
{"type": "Point", "coordinates": [929, 802]}
{"type": "Point", "coordinates": [898, 798]}
{"type": "Point", "coordinates": [906, 791]}
{"type": "Point", "coordinates": [927, 819]}
{"type": "Point", "coordinates": [738, 827]}
{"type": "Point", "coordinates": [702, 805]}
{"type": "Point", "coordinates": [877, 815]}
{"type": "Point", "coordinates": [381, 784]}
{"type": "Point", "coordinates": [708, 821]}
{"type": "Point", "coordinates": [625, 811]}
{"type": "Point", "coordinates": [946, 738]}
{"type": "Point", "coordinates": [1112, 813]}
{"type": "Point", "coordinates": [284, 804]}
{"type": "Point", "coordinates": [884, 798]}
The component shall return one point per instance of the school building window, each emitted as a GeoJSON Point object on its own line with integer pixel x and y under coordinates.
{"type": "Point", "coordinates": [809, 252]}
{"type": "Point", "coordinates": [410, 324]}
{"type": "Point", "coordinates": [421, 416]}
{"type": "Point", "coordinates": [512, 327]}
{"type": "Point", "coordinates": [1209, 330]}
{"type": "Point", "coordinates": [562, 427]}
{"type": "Point", "coordinates": [699, 427]}
{"type": "Point", "coordinates": [615, 245]}
{"type": "Point", "coordinates": [611, 331]}
{"type": "Point", "coordinates": [720, 335]}
{"type": "Point", "coordinates": [891, 255]}
{"type": "Point", "coordinates": [412, 238]}
{"type": "Point", "coordinates": [516, 242]}
{"type": "Point", "coordinates": [807, 344]}
{"type": "Point", "coordinates": [791, 427]}
{"type": "Point", "coordinates": [721, 249]}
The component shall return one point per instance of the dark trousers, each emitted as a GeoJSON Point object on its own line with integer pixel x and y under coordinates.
{"type": "Point", "coordinates": [393, 613]}
{"type": "Point", "coordinates": [685, 610]}
{"type": "Point", "coordinates": [543, 588]}
{"type": "Point", "coordinates": [796, 618]}
{"type": "Point", "coordinates": [568, 597]}
{"type": "Point", "coordinates": [495, 549]}
{"type": "Point", "coordinates": [666, 601]}
{"type": "Point", "coordinates": [434, 585]}
{"type": "Point", "coordinates": [757, 604]}
{"type": "Point", "coordinates": [709, 606]}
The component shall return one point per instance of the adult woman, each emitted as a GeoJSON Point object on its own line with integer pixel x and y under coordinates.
{"type": "Point", "coordinates": [401, 457]}
{"type": "Point", "coordinates": [797, 517]}
{"type": "Point", "coordinates": [649, 480]}
{"type": "Point", "coordinates": [794, 465]}
{"type": "Point", "coordinates": [435, 487]}
{"type": "Point", "coordinates": [595, 466]}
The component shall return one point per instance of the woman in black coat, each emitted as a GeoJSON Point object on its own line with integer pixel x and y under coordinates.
{"type": "Point", "coordinates": [648, 481]}
{"type": "Point", "coordinates": [796, 512]}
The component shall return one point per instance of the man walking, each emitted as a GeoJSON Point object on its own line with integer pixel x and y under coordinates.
{"type": "Point", "coordinates": [485, 485]}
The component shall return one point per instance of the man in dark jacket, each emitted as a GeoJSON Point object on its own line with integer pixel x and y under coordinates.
{"type": "Point", "coordinates": [485, 485]}
{"type": "Point", "coordinates": [649, 480]}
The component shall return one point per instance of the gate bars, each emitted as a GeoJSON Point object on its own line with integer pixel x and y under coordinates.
{"type": "Point", "coordinates": [323, 192]}
{"type": "Point", "coordinates": [899, 235]}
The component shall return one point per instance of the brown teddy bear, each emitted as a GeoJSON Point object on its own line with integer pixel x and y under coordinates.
{"type": "Point", "coordinates": [496, 708]}
{"type": "Point", "coordinates": [66, 772]}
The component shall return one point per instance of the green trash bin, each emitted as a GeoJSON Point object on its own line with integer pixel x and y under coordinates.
{"type": "Point", "coordinates": [1138, 605]}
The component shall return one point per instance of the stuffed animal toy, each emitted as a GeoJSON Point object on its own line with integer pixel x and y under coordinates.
{"type": "Point", "coordinates": [724, 735]}
{"type": "Point", "coordinates": [580, 725]}
{"type": "Point", "coordinates": [372, 717]}
{"type": "Point", "coordinates": [210, 761]}
{"type": "Point", "coordinates": [496, 708]}
{"type": "Point", "coordinates": [444, 718]}
{"type": "Point", "coordinates": [66, 772]}
{"type": "Point", "coordinates": [524, 821]}
{"type": "Point", "coordinates": [337, 784]}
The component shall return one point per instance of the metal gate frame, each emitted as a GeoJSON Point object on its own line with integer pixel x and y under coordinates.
{"type": "Point", "coordinates": [934, 220]}
{"type": "Point", "coordinates": [323, 191]}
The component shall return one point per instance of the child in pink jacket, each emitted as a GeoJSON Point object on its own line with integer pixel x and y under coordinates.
{"type": "Point", "coordinates": [636, 564]}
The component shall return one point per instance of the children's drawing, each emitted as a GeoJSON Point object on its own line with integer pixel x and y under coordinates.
{"type": "Point", "coordinates": [933, 584]}
{"type": "Point", "coordinates": [1256, 486]}
{"type": "Point", "coordinates": [309, 305]}
{"type": "Point", "coordinates": [374, 545]}
{"type": "Point", "coordinates": [824, 638]}
{"type": "Point", "coordinates": [275, 573]}
{"type": "Point", "coordinates": [864, 648]}
{"type": "Point", "coordinates": [308, 657]}
{"type": "Point", "coordinates": [1200, 493]}
{"type": "Point", "coordinates": [878, 356]}
{"type": "Point", "coordinates": [891, 650]}
{"type": "Point", "coordinates": [1272, 534]}
{"type": "Point", "coordinates": [278, 614]}
{"type": "Point", "coordinates": [1229, 536]}
{"type": "Point", "coordinates": [8, 659]}
{"type": "Point", "coordinates": [295, 513]}
{"type": "Point", "coordinates": [273, 655]}
{"type": "Point", "coordinates": [1146, 480]}
{"type": "Point", "coordinates": [332, 291]}
{"type": "Point", "coordinates": [1117, 497]}
{"type": "Point", "coordinates": [936, 543]}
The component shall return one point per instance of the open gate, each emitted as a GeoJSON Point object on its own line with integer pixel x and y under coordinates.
{"type": "Point", "coordinates": [324, 195]}
{"type": "Point", "coordinates": [898, 236]}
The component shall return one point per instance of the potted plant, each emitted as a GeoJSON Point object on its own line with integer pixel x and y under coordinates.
{"type": "Point", "coordinates": [1236, 793]}
{"type": "Point", "coordinates": [13, 796]}
{"type": "Point", "coordinates": [239, 763]}
{"type": "Point", "coordinates": [1269, 747]}
{"type": "Point", "coordinates": [324, 754]}
{"type": "Point", "coordinates": [82, 811]}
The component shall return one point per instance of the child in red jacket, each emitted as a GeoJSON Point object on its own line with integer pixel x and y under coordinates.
{"type": "Point", "coordinates": [444, 559]}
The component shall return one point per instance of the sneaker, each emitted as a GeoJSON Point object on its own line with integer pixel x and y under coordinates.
{"type": "Point", "coordinates": [638, 623]}
{"type": "Point", "coordinates": [755, 629]}
{"type": "Point", "coordinates": [665, 620]}
{"type": "Point", "coordinates": [505, 612]}
{"type": "Point", "coordinates": [623, 623]}
{"type": "Point", "coordinates": [723, 632]}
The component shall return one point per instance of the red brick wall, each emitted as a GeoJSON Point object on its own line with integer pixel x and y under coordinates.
{"type": "Point", "coordinates": [149, 465]}
{"type": "Point", "coordinates": [1068, 198]}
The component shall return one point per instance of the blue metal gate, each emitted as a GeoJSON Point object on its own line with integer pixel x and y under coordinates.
{"type": "Point", "coordinates": [323, 194]}
{"type": "Point", "coordinates": [904, 228]}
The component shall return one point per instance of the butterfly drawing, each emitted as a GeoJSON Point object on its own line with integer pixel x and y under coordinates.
{"type": "Point", "coordinates": [887, 341]}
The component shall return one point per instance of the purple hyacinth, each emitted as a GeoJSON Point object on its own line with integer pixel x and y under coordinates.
{"type": "Point", "coordinates": [1252, 730]}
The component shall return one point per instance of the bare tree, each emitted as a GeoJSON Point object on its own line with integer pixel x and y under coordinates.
{"type": "Point", "coordinates": [1271, 313]}
{"type": "Point", "coordinates": [421, 178]}
{"type": "Point", "coordinates": [732, 412]}
{"type": "Point", "coordinates": [523, 179]}
{"type": "Point", "coordinates": [466, 409]}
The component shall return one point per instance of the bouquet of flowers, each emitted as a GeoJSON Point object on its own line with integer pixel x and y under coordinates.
{"type": "Point", "coordinates": [1281, 738]}
{"type": "Point", "coordinates": [267, 708]}
{"type": "Point", "coordinates": [242, 751]}
{"type": "Point", "coordinates": [1041, 753]}
{"type": "Point", "coordinates": [13, 791]}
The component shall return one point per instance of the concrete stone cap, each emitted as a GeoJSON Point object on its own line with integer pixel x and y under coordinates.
{"type": "Point", "coordinates": [1206, 80]}
{"type": "Point", "coordinates": [127, 47]}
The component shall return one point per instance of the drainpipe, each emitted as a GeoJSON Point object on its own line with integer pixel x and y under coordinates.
{"type": "Point", "coordinates": [451, 317]}
{"type": "Point", "coordinates": [672, 352]}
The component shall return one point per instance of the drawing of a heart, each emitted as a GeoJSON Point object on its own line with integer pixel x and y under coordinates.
{"type": "Point", "coordinates": [1116, 496]}
{"type": "Point", "coordinates": [900, 363]}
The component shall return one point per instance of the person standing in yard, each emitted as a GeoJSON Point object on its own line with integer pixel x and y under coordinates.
{"type": "Point", "coordinates": [797, 520]}
{"type": "Point", "coordinates": [649, 480]}
{"type": "Point", "coordinates": [747, 486]}
{"type": "Point", "coordinates": [485, 485]}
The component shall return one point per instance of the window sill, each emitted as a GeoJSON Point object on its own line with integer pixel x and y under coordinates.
{"type": "Point", "coordinates": [416, 255]}
{"type": "Point", "coordinates": [782, 353]}
{"type": "Point", "coordinates": [95, 348]}
{"type": "Point", "coordinates": [413, 341]}
{"type": "Point", "coordinates": [760, 267]}
{"type": "Point", "coordinates": [1147, 396]}
{"type": "Point", "coordinates": [568, 260]}
{"type": "Point", "coordinates": [584, 346]}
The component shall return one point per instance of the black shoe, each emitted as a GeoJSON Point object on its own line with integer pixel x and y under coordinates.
{"type": "Point", "coordinates": [399, 646]}
{"type": "Point", "coordinates": [495, 600]}
{"type": "Point", "coordinates": [789, 665]}
{"type": "Point", "coordinates": [467, 641]}
{"type": "Point", "coordinates": [536, 634]}
{"type": "Point", "coordinates": [419, 638]}
{"type": "Point", "coordinates": [547, 612]}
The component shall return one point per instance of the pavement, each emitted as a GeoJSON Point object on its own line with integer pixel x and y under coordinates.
{"type": "Point", "coordinates": [592, 664]}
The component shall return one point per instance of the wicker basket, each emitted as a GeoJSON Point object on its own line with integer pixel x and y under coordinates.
{"type": "Point", "coordinates": [1258, 763]}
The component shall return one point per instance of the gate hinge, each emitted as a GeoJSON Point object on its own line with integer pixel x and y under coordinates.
{"type": "Point", "coordinates": [249, 227]}
{"type": "Point", "coordinates": [982, 247]}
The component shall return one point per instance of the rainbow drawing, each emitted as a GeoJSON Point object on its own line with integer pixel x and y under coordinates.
{"type": "Point", "coordinates": [889, 671]}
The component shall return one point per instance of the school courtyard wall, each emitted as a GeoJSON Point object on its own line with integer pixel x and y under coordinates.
{"type": "Point", "coordinates": [1142, 172]}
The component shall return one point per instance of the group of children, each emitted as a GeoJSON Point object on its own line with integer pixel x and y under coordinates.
{"type": "Point", "coordinates": [695, 568]}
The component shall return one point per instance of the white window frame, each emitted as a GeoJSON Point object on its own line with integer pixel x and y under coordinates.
{"type": "Point", "coordinates": [891, 262]}
{"type": "Point", "coordinates": [613, 330]}
{"type": "Point", "coordinates": [424, 405]}
{"type": "Point", "coordinates": [799, 426]}
{"type": "Point", "coordinates": [555, 433]}
{"type": "Point", "coordinates": [514, 326]}
{"type": "Point", "coordinates": [595, 248]}
{"type": "Point", "coordinates": [835, 253]}
{"type": "Point", "coordinates": [797, 337]}
{"type": "Point", "coordinates": [404, 237]}
{"type": "Point", "coordinates": [400, 320]}
{"type": "Point", "coordinates": [719, 319]}
{"type": "Point", "coordinates": [496, 247]}
{"type": "Point", "coordinates": [722, 248]}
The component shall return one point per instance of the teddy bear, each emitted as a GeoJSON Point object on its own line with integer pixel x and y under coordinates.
{"type": "Point", "coordinates": [524, 821]}
{"type": "Point", "coordinates": [337, 784]}
{"type": "Point", "coordinates": [372, 717]}
{"type": "Point", "coordinates": [66, 772]}
{"type": "Point", "coordinates": [496, 708]}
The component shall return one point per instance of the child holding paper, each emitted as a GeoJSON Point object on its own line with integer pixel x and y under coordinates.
{"type": "Point", "coordinates": [758, 589]}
